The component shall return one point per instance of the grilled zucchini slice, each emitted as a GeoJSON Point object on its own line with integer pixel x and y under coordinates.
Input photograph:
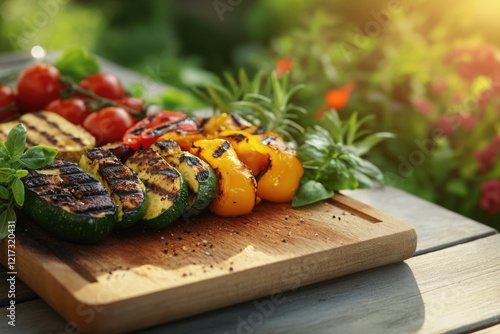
{"type": "Point", "coordinates": [128, 192]}
{"type": "Point", "coordinates": [69, 202]}
{"type": "Point", "coordinates": [50, 129]}
{"type": "Point", "coordinates": [166, 190]}
{"type": "Point", "coordinates": [199, 176]}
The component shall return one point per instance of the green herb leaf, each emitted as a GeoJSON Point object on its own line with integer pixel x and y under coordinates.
{"type": "Point", "coordinates": [4, 193]}
{"type": "Point", "coordinates": [311, 192]}
{"type": "Point", "coordinates": [20, 173]}
{"type": "Point", "coordinates": [16, 142]}
{"type": "Point", "coordinates": [4, 153]}
{"type": "Point", "coordinates": [77, 63]}
{"type": "Point", "coordinates": [18, 192]}
{"type": "Point", "coordinates": [7, 175]}
{"type": "Point", "coordinates": [8, 215]}
{"type": "Point", "coordinates": [38, 156]}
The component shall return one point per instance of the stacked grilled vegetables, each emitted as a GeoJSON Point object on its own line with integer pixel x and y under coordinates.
{"type": "Point", "coordinates": [169, 166]}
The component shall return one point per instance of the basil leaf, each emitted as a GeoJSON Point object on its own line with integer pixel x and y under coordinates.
{"type": "Point", "coordinates": [4, 193]}
{"type": "Point", "coordinates": [7, 175]}
{"type": "Point", "coordinates": [8, 215]}
{"type": "Point", "coordinates": [77, 63]}
{"type": "Point", "coordinates": [20, 173]}
{"type": "Point", "coordinates": [4, 153]}
{"type": "Point", "coordinates": [16, 141]}
{"type": "Point", "coordinates": [310, 192]}
{"type": "Point", "coordinates": [38, 156]}
{"type": "Point", "coordinates": [18, 191]}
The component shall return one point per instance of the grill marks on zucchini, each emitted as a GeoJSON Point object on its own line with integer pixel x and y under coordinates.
{"type": "Point", "coordinates": [199, 176]}
{"type": "Point", "coordinates": [48, 128]}
{"type": "Point", "coordinates": [121, 182]}
{"type": "Point", "coordinates": [70, 203]}
{"type": "Point", "coordinates": [166, 191]}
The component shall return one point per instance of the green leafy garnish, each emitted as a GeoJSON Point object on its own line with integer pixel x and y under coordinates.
{"type": "Point", "coordinates": [77, 63]}
{"type": "Point", "coordinates": [13, 161]}
{"type": "Point", "coordinates": [331, 154]}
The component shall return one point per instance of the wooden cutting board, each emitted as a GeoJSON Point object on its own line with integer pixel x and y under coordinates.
{"type": "Point", "coordinates": [136, 278]}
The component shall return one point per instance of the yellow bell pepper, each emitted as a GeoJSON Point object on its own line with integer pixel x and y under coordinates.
{"type": "Point", "coordinates": [277, 168]}
{"type": "Point", "coordinates": [221, 122]}
{"type": "Point", "coordinates": [236, 185]}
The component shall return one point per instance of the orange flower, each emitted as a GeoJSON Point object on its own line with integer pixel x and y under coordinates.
{"type": "Point", "coordinates": [336, 98]}
{"type": "Point", "coordinates": [283, 65]}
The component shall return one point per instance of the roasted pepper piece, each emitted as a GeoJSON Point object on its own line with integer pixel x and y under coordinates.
{"type": "Point", "coordinates": [279, 178]}
{"type": "Point", "coordinates": [221, 122]}
{"type": "Point", "coordinates": [236, 185]}
{"type": "Point", "coordinates": [184, 140]}
{"type": "Point", "coordinates": [250, 150]}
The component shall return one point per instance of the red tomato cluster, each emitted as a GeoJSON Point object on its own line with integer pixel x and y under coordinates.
{"type": "Point", "coordinates": [39, 88]}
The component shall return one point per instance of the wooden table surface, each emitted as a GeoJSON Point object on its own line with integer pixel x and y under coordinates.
{"type": "Point", "coordinates": [451, 284]}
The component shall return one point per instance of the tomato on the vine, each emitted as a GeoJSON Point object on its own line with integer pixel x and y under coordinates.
{"type": "Point", "coordinates": [108, 124]}
{"type": "Point", "coordinates": [105, 85]}
{"type": "Point", "coordinates": [147, 131]}
{"type": "Point", "coordinates": [37, 86]}
{"type": "Point", "coordinates": [7, 103]}
{"type": "Point", "coordinates": [73, 109]}
{"type": "Point", "coordinates": [133, 103]}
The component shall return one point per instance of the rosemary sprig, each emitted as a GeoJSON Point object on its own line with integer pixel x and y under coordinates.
{"type": "Point", "coordinates": [263, 100]}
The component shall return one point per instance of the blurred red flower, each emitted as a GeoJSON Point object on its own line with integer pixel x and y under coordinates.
{"type": "Point", "coordinates": [423, 106]}
{"type": "Point", "coordinates": [488, 155]}
{"type": "Point", "coordinates": [472, 62]}
{"type": "Point", "coordinates": [467, 121]}
{"type": "Point", "coordinates": [283, 65]}
{"type": "Point", "coordinates": [336, 98]}
{"type": "Point", "coordinates": [439, 86]}
{"type": "Point", "coordinates": [490, 196]}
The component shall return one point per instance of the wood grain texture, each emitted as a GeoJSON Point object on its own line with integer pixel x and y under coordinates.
{"type": "Point", "coordinates": [436, 227]}
{"type": "Point", "coordinates": [453, 290]}
{"type": "Point", "coordinates": [131, 280]}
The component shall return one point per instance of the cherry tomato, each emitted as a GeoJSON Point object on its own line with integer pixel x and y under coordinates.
{"type": "Point", "coordinates": [108, 124]}
{"type": "Point", "coordinates": [105, 85]}
{"type": "Point", "coordinates": [148, 130]}
{"type": "Point", "coordinates": [37, 86]}
{"type": "Point", "coordinates": [7, 98]}
{"type": "Point", "coordinates": [132, 103]}
{"type": "Point", "coordinates": [74, 110]}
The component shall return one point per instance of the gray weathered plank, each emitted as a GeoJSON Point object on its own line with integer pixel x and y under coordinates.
{"type": "Point", "coordinates": [436, 227]}
{"type": "Point", "coordinates": [22, 292]}
{"type": "Point", "coordinates": [451, 290]}
{"type": "Point", "coordinates": [490, 330]}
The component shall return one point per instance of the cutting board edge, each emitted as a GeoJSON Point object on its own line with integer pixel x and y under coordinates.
{"type": "Point", "coordinates": [102, 319]}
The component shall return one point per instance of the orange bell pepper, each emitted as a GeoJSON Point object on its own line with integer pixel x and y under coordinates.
{"type": "Point", "coordinates": [236, 185]}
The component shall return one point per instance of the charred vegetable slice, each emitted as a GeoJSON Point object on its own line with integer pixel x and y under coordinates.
{"type": "Point", "coordinates": [236, 185]}
{"type": "Point", "coordinates": [198, 175]}
{"type": "Point", "coordinates": [69, 202]}
{"type": "Point", "coordinates": [277, 168]}
{"type": "Point", "coordinates": [166, 190]}
{"type": "Point", "coordinates": [128, 192]}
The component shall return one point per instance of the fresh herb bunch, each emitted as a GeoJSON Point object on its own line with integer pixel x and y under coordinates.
{"type": "Point", "coordinates": [263, 101]}
{"type": "Point", "coordinates": [14, 162]}
{"type": "Point", "coordinates": [332, 158]}
{"type": "Point", "coordinates": [331, 152]}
